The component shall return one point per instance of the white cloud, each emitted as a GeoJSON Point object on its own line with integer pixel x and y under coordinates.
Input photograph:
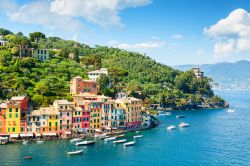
{"type": "Point", "coordinates": [67, 14]}
{"type": "Point", "coordinates": [199, 52]}
{"type": "Point", "coordinates": [37, 13]}
{"type": "Point", "coordinates": [142, 45]}
{"type": "Point", "coordinates": [104, 12]}
{"type": "Point", "coordinates": [176, 36]}
{"type": "Point", "coordinates": [231, 34]}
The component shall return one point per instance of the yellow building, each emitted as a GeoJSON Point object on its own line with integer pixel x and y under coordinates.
{"type": "Point", "coordinates": [13, 116]}
{"type": "Point", "coordinates": [54, 122]}
{"type": "Point", "coordinates": [95, 113]}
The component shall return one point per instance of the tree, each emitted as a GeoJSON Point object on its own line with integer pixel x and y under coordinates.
{"type": "Point", "coordinates": [5, 32]}
{"type": "Point", "coordinates": [36, 36]}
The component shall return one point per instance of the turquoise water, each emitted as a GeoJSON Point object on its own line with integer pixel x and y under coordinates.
{"type": "Point", "coordinates": [215, 137]}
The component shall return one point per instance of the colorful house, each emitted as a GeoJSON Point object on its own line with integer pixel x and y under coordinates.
{"type": "Point", "coordinates": [22, 100]}
{"type": "Point", "coordinates": [132, 107]}
{"type": "Point", "coordinates": [41, 54]}
{"type": "Point", "coordinates": [95, 109]}
{"type": "Point", "coordinates": [44, 121]}
{"type": "Point", "coordinates": [77, 118]}
{"type": "Point", "coordinates": [65, 109]}
{"type": "Point", "coordinates": [79, 85]}
{"type": "Point", "coordinates": [118, 118]}
{"type": "Point", "coordinates": [10, 117]}
{"type": "Point", "coordinates": [95, 75]}
{"type": "Point", "coordinates": [107, 108]}
{"type": "Point", "coordinates": [3, 108]}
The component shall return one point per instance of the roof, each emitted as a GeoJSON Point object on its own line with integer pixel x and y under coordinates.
{"type": "Point", "coordinates": [101, 71]}
{"type": "Point", "coordinates": [18, 97]}
{"type": "Point", "coordinates": [44, 111]}
{"type": "Point", "coordinates": [127, 99]}
{"type": "Point", "coordinates": [62, 102]}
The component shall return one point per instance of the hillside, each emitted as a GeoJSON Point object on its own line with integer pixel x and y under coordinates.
{"type": "Point", "coordinates": [136, 74]}
{"type": "Point", "coordinates": [235, 75]}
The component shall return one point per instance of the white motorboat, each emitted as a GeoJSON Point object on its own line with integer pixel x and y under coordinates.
{"type": "Point", "coordinates": [110, 139]}
{"type": "Point", "coordinates": [76, 140]}
{"type": "Point", "coordinates": [84, 143]}
{"type": "Point", "coordinates": [129, 143]}
{"type": "Point", "coordinates": [138, 136]}
{"type": "Point", "coordinates": [39, 142]}
{"type": "Point", "coordinates": [171, 127]}
{"type": "Point", "coordinates": [75, 152]}
{"type": "Point", "coordinates": [180, 116]}
{"type": "Point", "coordinates": [119, 141]}
{"type": "Point", "coordinates": [230, 110]}
{"type": "Point", "coordinates": [182, 125]}
{"type": "Point", "coordinates": [100, 135]}
{"type": "Point", "coordinates": [25, 142]}
{"type": "Point", "coordinates": [119, 136]}
{"type": "Point", "coordinates": [137, 132]}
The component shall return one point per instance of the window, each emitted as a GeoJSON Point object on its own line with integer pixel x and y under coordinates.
{"type": "Point", "coordinates": [67, 114]}
{"type": "Point", "coordinates": [43, 129]}
{"type": "Point", "coordinates": [16, 109]}
{"type": "Point", "coordinates": [10, 116]}
{"type": "Point", "coordinates": [56, 124]}
{"type": "Point", "coordinates": [61, 107]}
{"type": "Point", "coordinates": [45, 51]}
{"type": "Point", "coordinates": [10, 110]}
{"type": "Point", "coordinates": [8, 129]}
{"type": "Point", "coordinates": [13, 129]}
{"type": "Point", "coordinates": [61, 114]}
{"type": "Point", "coordinates": [56, 116]}
{"type": "Point", "coordinates": [67, 121]}
{"type": "Point", "coordinates": [60, 121]}
{"type": "Point", "coordinates": [22, 129]}
{"type": "Point", "coordinates": [0, 123]}
{"type": "Point", "coordinates": [49, 129]}
{"type": "Point", "coordinates": [49, 124]}
{"type": "Point", "coordinates": [16, 115]}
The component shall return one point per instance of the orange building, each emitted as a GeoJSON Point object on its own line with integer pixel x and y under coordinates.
{"type": "Point", "coordinates": [79, 85]}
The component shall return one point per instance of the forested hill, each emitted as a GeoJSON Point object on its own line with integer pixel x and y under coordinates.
{"type": "Point", "coordinates": [131, 72]}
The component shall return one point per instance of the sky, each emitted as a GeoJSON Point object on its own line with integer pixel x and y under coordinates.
{"type": "Point", "coordinates": [173, 32]}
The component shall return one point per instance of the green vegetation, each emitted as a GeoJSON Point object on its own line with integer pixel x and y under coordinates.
{"type": "Point", "coordinates": [131, 72]}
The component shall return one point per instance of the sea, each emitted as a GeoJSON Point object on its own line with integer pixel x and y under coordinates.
{"type": "Point", "coordinates": [214, 137]}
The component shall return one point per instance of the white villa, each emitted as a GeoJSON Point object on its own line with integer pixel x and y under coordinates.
{"type": "Point", "coordinates": [94, 75]}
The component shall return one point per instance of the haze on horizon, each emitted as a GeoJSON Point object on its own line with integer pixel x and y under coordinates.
{"type": "Point", "coordinates": [172, 32]}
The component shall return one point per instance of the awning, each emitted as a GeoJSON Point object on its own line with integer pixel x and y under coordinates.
{"type": "Point", "coordinates": [14, 135]}
{"type": "Point", "coordinates": [67, 132]}
{"type": "Point", "coordinates": [38, 134]}
{"type": "Point", "coordinates": [98, 130]}
{"type": "Point", "coordinates": [26, 135]}
{"type": "Point", "coordinates": [49, 134]}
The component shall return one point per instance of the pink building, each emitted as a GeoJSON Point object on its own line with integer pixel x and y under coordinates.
{"type": "Point", "coordinates": [79, 85]}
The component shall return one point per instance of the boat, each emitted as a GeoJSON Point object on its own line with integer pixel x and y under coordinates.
{"type": "Point", "coordinates": [76, 140]}
{"type": "Point", "coordinates": [129, 143]}
{"type": "Point", "coordinates": [39, 142]}
{"type": "Point", "coordinates": [27, 157]}
{"type": "Point", "coordinates": [180, 116]}
{"type": "Point", "coordinates": [105, 136]}
{"type": "Point", "coordinates": [75, 152]}
{"type": "Point", "coordinates": [230, 110]}
{"type": "Point", "coordinates": [119, 136]}
{"type": "Point", "coordinates": [110, 139]}
{"type": "Point", "coordinates": [137, 132]}
{"type": "Point", "coordinates": [119, 141]}
{"type": "Point", "coordinates": [171, 127]}
{"type": "Point", "coordinates": [182, 125]}
{"type": "Point", "coordinates": [138, 136]}
{"type": "Point", "coordinates": [25, 142]}
{"type": "Point", "coordinates": [84, 143]}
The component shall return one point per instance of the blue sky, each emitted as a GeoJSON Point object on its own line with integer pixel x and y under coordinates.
{"type": "Point", "coordinates": [172, 32]}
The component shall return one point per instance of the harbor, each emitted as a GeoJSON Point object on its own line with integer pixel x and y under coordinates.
{"type": "Point", "coordinates": [208, 138]}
